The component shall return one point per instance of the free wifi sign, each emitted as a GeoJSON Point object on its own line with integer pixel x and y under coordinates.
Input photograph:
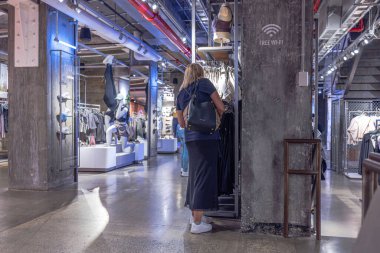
{"type": "Point", "coordinates": [271, 29]}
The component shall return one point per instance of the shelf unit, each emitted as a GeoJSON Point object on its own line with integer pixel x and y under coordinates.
{"type": "Point", "coordinates": [64, 80]}
{"type": "Point", "coordinates": [229, 206]}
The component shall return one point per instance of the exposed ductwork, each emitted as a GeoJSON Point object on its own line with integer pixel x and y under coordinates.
{"type": "Point", "coordinates": [121, 37]}
{"type": "Point", "coordinates": [145, 10]}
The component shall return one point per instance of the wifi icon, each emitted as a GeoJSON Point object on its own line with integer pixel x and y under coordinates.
{"type": "Point", "coordinates": [271, 29]}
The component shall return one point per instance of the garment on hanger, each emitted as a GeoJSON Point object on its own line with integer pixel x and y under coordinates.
{"type": "Point", "coordinates": [359, 126]}
{"type": "Point", "coordinates": [370, 143]}
{"type": "Point", "coordinates": [110, 90]}
{"type": "Point", "coordinates": [226, 161]}
{"type": "Point", "coordinates": [92, 123]}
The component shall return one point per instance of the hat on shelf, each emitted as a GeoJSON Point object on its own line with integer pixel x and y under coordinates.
{"type": "Point", "coordinates": [65, 96]}
{"type": "Point", "coordinates": [63, 117]}
{"type": "Point", "coordinates": [65, 131]}
{"type": "Point", "coordinates": [222, 25]}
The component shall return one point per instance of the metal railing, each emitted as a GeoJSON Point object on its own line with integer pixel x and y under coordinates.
{"type": "Point", "coordinates": [371, 171]}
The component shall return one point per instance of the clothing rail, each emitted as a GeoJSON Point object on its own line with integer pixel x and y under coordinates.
{"type": "Point", "coordinates": [91, 106]}
{"type": "Point", "coordinates": [371, 171]}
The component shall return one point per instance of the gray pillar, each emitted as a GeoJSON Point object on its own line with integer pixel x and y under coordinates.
{"type": "Point", "coordinates": [274, 108]}
{"type": "Point", "coordinates": [34, 151]}
{"type": "Point", "coordinates": [152, 109]}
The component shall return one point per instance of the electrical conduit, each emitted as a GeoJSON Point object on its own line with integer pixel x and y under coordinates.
{"type": "Point", "coordinates": [145, 10]}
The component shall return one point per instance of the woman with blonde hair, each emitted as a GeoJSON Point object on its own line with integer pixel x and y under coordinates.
{"type": "Point", "coordinates": [202, 188]}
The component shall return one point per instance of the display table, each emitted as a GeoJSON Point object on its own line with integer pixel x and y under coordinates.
{"type": "Point", "coordinates": [167, 146]}
{"type": "Point", "coordinates": [102, 158]}
{"type": "Point", "coordinates": [97, 158]}
{"type": "Point", "coordinates": [139, 152]}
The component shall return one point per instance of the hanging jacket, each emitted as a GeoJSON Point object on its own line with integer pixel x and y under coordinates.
{"type": "Point", "coordinates": [110, 90]}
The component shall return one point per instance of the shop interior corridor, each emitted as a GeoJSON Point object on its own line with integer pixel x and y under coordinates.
{"type": "Point", "coordinates": [140, 209]}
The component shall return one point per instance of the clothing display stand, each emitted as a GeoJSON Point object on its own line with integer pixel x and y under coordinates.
{"type": "Point", "coordinates": [65, 78]}
{"type": "Point", "coordinates": [103, 158]}
{"type": "Point", "coordinates": [229, 206]}
{"type": "Point", "coordinates": [3, 127]}
{"type": "Point", "coordinates": [353, 108]}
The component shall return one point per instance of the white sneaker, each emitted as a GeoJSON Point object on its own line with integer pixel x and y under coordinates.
{"type": "Point", "coordinates": [201, 228]}
{"type": "Point", "coordinates": [184, 174]}
{"type": "Point", "coordinates": [205, 219]}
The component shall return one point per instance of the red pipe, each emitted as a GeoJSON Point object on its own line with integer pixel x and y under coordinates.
{"type": "Point", "coordinates": [359, 28]}
{"type": "Point", "coordinates": [145, 10]}
{"type": "Point", "coordinates": [317, 3]}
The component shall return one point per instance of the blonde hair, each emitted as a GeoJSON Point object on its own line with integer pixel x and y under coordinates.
{"type": "Point", "coordinates": [193, 73]}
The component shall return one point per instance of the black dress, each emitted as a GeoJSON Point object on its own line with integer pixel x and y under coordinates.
{"type": "Point", "coordinates": [202, 186]}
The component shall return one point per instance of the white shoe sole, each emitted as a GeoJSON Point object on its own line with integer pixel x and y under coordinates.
{"type": "Point", "coordinates": [200, 229]}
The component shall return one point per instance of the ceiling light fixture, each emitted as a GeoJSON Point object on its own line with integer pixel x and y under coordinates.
{"type": "Point", "coordinates": [61, 1]}
{"type": "Point", "coordinates": [366, 41]}
{"type": "Point", "coordinates": [356, 51]}
{"type": "Point", "coordinates": [345, 58]}
{"type": "Point", "coordinates": [78, 10]}
{"type": "Point", "coordinates": [352, 53]}
{"type": "Point", "coordinates": [184, 39]}
{"type": "Point", "coordinates": [154, 6]}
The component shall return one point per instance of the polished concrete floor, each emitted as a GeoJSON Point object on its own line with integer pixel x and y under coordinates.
{"type": "Point", "coordinates": [140, 209]}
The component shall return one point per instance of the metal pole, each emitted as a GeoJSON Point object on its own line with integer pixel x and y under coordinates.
{"type": "Point", "coordinates": [318, 197]}
{"type": "Point", "coordinates": [236, 109]}
{"type": "Point", "coordinates": [75, 113]}
{"type": "Point", "coordinates": [286, 189]}
{"type": "Point", "coordinates": [316, 77]}
{"type": "Point", "coordinates": [209, 23]}
{"type": "Point", "coordinates": [193, 28]}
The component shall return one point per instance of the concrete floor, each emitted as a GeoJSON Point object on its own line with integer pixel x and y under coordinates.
{"type": "Point", "coordinates": [140, 209]}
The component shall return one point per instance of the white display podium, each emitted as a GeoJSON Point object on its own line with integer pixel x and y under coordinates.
{"type": "Point", "coordinates": [167, 146]}
{"type": "Point", "coordinates": [102, 158]}
{"type": "Point", "coordinates": [139, 152]}
{"type": "Point", "coordinates": [97, 158]}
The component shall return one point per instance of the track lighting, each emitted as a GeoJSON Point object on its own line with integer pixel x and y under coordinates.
{"type": "Point", "coordinates": [356, 51]}
{"type": "Point", "coordinates": [184, 39]}
{"type": "Point", "coordinates": [345, 58]}
{"type": "Point", "coordinates": [352, 53]}
{"type": "Point", "coordinates": [366, 41]}
{"type": "Point", "coordinates": [78, 10]}
{"type": "Point", "coordinates": [154, 6]}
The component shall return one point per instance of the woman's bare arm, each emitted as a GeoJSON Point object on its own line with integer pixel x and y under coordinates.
{"type": "Point", "coordinates": [218, 102]}
{"type": "Point", "coordinates": [181, 119]}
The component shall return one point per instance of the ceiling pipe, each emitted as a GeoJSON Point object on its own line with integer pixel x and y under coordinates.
{"type": "Point", "coordinates": [145, 10]}
{"type": "Point", "coordinates": [121, 37]}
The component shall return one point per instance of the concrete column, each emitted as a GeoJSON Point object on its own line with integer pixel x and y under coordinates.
{"type": "Point", "coordinates": [274, 108]}
{"type": "Point", "coordinates": [152, 109]}
{"type": "Point", "coordinates": [34, 150]}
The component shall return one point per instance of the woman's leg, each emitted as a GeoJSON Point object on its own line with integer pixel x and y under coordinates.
{"type": "Point", "coordinates": [197, 216]}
